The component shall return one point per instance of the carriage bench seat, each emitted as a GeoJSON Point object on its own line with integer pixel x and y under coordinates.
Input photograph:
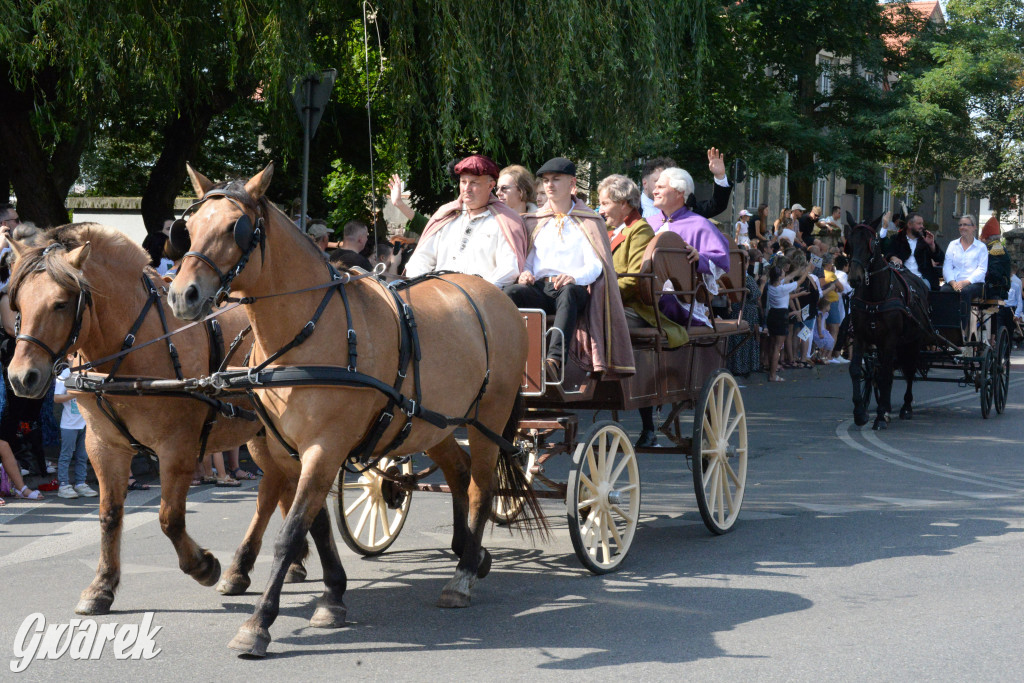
{"type": "Point", "coordinates": [722, 328]}
{"type": "Point", "coordinates": [645, 337]}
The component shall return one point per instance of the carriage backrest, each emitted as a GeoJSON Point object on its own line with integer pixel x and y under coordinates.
{"type": "Point", "coordinates": [665, 260]}
{"type": "Point", "coordinates": [734, 284]}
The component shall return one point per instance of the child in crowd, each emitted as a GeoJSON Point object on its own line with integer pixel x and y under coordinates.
{"type": "Point", "coordinates": [822, 339]}
{"type": "Point", "coordinates": [72, 445]}
{"type": "Point", "coordinates": [780, 289]}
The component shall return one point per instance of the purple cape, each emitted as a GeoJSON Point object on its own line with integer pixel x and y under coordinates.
{"type": "Point", "coordinates": [699, 233]}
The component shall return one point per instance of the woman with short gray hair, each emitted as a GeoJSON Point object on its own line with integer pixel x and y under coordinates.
{"type": "Point", "coordinates": [620, 189]}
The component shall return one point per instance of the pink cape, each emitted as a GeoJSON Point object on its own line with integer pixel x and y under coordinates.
{"type": "Point", "coordinates": [510, 221]}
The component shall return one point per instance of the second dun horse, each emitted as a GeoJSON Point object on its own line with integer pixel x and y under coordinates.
{"type": "Point", "coordinates": [470, 337]}
{"type": "Point", "coordinates": [81, 292]}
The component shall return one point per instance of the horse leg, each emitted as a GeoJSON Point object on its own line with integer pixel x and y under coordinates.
{"type": "Point", "coordinates": [254, 635]}
{"type": "Point", "coordinates": [176, 470]}
{"type": "Point", "coordinates": [860, 407]}
{"type": "Point", "coordinates": [454, 464]}
{"type": "Point", "coordinates": [909, 368]}
{"type": "Point", "coordinates": [885, 375]}
{"type": "Point", "coordinates": [111, 464]}
{"type": "Point", "coordinates": [297, 570]}
{"type": "Point", "coordinates": [330, 607]}
{"type": "Point", "coordinates": [475, 561]}
{"type": "Point", "coordinates": [235, 580]}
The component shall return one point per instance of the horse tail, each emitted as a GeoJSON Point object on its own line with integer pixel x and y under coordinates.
{"type": "Point", "coordinates": [515, 490]}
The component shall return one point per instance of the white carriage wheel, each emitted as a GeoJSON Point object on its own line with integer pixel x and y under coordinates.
{"type": "Point", "coordinates": [371, 509]}
{"type": "Point", "coordinates": [505, 510]}
{"type": "Point", "coordinates": [720, 452]}
{"type": "Point", "coordinates": [603, 497]}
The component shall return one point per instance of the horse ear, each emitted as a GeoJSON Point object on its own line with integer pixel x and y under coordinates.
{"type": "Point", "coordinates": [258, 184]}
{"type": "Point", "coordinates": [200, 183]}
{"type": "Point", "coordinates": [77, 257]}
{"type": "Point", "coordinates": [17, 247]}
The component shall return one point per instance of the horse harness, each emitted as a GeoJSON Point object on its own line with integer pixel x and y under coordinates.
{"type": "Point", "coordinates": [361, 457]}
{"type": "Point", "coordinates": [100, 388]}
{"type": "Point", "coordinates": [904, 301]}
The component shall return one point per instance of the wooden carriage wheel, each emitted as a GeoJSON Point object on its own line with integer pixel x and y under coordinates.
{"type": "Point", "coordinates": [603, 497]}
{"type": "Point", "coordinates": [720, 452]}
{"type": "Point", "coordinates": [371, 509]}
{"type": "Point", "coordinates": [1001, 385]}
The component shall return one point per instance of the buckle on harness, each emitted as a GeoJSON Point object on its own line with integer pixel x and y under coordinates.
{"type": "Point", "coordinates": [254, 378]}
{"type": "Point", "coordinates": [129, 341]}
{"type": "Point", "coordinates": [410, 412]}
{"type": "Point", "coordinates": [311, 325]}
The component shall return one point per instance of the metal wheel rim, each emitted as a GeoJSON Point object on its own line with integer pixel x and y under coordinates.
{"type": "Point", "coordinates": [366, 522]}
{"type": "Point", "coordinates": [1002, 366]}
{"type": "Point", "coordinates": [720, 452]}
{"type": "Point", "coordinates": [603, 497]}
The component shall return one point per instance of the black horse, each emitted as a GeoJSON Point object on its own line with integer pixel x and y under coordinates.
{"type": "Point", "coordinates": [889, 323]}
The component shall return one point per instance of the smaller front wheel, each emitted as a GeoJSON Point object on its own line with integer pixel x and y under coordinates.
{"type": "Point", "coordinates": [603, 497]}
{"type": "Point", "coordinates": [371, 508]}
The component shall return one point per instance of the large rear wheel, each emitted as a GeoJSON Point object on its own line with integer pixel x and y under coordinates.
{"type": "Point", "coordinates": [1001, 364]}
{"type": "Point", "coordinates": [987, 389]}
{"type": "Point", "coordinates": [720, 452]}
{"type": "Point", "coordinates": [603, 497]}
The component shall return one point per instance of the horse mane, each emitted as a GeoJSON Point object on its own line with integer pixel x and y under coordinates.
{"type": "Point", "coordinates": [107, 243]}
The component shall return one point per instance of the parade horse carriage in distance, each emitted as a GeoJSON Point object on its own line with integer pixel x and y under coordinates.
{"type": "Point", "coordinates": [602, 494]}
{"type": "Point", "coordinates": [895, 322]}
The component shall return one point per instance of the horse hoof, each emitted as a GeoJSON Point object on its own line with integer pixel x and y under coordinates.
{"type": "Point", "coordinates": [860, 420]}
{"type": "Point", "coordinates": [328, 615]}
{"type": "Point", "coordinates": [296, 574]}
{"type": "Point", "coordinates": [209, 575]}
{"type": "Point", "coordinates": [880, 424]}
{"type": "Point", "coordinates": [906, 413]}
{"type": "Point", "coordinates": [251, 643]}
{"type": "Point", "coordinates": [453, 599]}
{"type": "Point", "coordinates": [94, 606]}
{"type": "Point", "coordinates": [485, 566]}
{"type": "Point", "coordinates": [233, 586]}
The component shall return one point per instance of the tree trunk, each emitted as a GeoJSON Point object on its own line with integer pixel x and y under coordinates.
{"type": "Point", "coordinates": [41, 196]}
{"type": "Point", "coordinates": [181, 143]}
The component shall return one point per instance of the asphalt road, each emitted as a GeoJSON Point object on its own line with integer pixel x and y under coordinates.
{"type": "Point", "coordinates": [859, 555]}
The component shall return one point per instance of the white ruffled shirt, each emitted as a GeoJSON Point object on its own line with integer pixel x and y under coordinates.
{"type": "Point", "coordinates": [469, 244]}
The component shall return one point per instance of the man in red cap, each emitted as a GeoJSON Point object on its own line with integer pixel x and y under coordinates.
{"type": "Point", "coordinates": [475, 234]}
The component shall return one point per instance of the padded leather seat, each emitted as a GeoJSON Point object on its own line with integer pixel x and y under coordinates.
{"type": "Point", "coordinates": [643, 337]}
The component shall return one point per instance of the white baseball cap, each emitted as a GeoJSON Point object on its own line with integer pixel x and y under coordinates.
{"type": "Point", "coordinates": [744, 212]}
{"type": "Point", "coordinates": [797, 207]}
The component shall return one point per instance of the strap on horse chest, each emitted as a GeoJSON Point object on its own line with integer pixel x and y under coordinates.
{"type": "Point", "coordinates": [263, 376]}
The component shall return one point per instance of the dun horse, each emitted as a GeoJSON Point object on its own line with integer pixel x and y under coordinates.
{"type": "Point", "coordinates": [473, 346]}
{"type": "Point", "coordinates": [888, 312]}
{"type": "Point", "coordinates": [90, 276]}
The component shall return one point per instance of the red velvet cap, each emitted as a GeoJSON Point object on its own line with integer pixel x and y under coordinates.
{"type": "Point", "coordinates": [477, 164]}
{"type": "Point", "coordinates": [991, 228]}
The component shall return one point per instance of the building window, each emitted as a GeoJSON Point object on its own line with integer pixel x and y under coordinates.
{"type": "Point", "coordinates": [886, 192]}
{"type": "Point", "coordinates": [825, 77]}
{"type": "Point", "coordinates": [753, 191]}
{"type": "Point", "coordinates": [821, 192]}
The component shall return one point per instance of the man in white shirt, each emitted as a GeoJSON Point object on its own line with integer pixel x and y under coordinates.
{"type": "Point", "coordinates": [475, 234]}
{"type": "Point", "coordinates": [965, 266]}
{"type": "Point", "coordinates": [561, 263]}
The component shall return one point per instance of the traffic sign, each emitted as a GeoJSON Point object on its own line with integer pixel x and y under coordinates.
{"type": "Point", "coordinates": [310, 97]}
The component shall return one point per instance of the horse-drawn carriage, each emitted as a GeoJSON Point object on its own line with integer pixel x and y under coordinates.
{"type": "Point", "coordinates": [602, 494]}
{"type": "Point", "coordinates": [332, 405]}
{"type": "Point", "coordinates": [897, 322]}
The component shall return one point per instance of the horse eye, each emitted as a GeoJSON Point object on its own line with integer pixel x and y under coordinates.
{"type": "Point", "coordinates": [60, 305]}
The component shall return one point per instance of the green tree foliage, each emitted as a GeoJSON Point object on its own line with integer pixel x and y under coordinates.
{"type": "Point", "coordinates": [529, 80]}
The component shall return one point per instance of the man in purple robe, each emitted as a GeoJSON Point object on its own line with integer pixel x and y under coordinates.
{"type": "Point", "coordinates": [707, 244]}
